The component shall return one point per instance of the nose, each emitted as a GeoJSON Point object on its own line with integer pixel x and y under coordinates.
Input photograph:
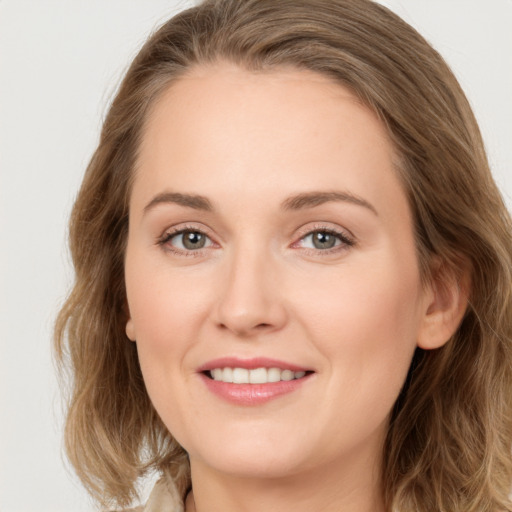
{"type": "Point", "coordinates": [251, 298]}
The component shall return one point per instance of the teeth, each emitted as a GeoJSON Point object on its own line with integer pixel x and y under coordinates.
{"type": "Point", "coordinates": [273, 375]}
{"type": "Point", "coordinates": [227, 375]}
{"type": "Point", "coordinates": [256, 376]}
{"type": "Point", "coordinates": [287, 375]}
{"type": "Point", "coordinates": [240, 376]}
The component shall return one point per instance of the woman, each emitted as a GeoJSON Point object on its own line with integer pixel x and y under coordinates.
{"type": "Point", "coordinates": [293, 273]}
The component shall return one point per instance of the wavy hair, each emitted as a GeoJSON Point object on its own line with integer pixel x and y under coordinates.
{"type": "Point", "coordinates": [448, 445]}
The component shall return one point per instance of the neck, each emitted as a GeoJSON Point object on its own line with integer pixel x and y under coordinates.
{"type": "Point", "coordinates": [357, 489]}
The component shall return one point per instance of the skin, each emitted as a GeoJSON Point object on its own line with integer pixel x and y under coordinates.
{"type": "Point", "coordinates": [353, 314]}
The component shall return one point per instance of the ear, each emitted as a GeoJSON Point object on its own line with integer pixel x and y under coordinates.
{"type": "Point", "coordinates": [446, 300]}
{"type": "Point", "coordinates": [130, 329]}
{"type": "Point", "coordinates": [129, 326]}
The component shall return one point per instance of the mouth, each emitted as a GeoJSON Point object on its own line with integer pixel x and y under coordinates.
{"type": "Point", "coordinates": [260, 375]}
{"type": "Point", "coordinates": [252, 381]}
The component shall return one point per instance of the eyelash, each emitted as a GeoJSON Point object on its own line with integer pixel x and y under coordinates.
{"type": "Point", "coordinates": [346, 241]}
{"type": "Point", "coordinates": [169, 235]}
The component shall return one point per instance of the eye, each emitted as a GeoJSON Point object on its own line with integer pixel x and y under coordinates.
{"type": "Point", "coordinates": [187, 240]}
{"type": "Point", "coordinates": [321, 240]}
{"type": "Point", "coordinates": [325, 239]}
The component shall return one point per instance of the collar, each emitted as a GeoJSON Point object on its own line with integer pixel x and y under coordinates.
{"type": "Point", "coordinates": [164, 498]}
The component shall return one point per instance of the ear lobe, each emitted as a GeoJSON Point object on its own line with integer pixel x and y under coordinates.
{"type": "Point", "coordinates": [446, 302]}
{"type": "Point", "coordinates": [129, 326]}
{"type": "Point", "coordinates": [130, 329]}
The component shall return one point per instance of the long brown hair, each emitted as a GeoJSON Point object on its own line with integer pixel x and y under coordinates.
{"type": "Point", "coordinates": [449, 442]}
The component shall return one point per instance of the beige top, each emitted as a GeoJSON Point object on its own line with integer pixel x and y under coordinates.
{"type": "Point", "coordinates": [163, 498]}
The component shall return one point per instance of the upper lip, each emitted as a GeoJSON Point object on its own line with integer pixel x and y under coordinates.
{"type": "Point", "coordinates": [250, 364]}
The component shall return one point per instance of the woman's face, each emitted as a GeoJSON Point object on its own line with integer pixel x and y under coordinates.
{"type": "Point", "coordinates": [270, 236]}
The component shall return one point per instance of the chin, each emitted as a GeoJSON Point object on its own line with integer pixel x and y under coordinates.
{"type": "Point", "coordinates": [253, 456]}
{"type": "Point", "coordinates": [258, 466]}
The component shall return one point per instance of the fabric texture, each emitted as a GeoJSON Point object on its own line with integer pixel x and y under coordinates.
{"type": "Point", "coordinates": [163, 498]}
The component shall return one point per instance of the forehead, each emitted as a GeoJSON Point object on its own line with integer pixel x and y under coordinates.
{"type": "Point", "coordinates": [223, 94]}
{"type": "Point", "coordinates": [223, 125]}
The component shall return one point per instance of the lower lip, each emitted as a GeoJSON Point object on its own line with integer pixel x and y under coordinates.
{"type": "Point", "coordinates": [252, 394]}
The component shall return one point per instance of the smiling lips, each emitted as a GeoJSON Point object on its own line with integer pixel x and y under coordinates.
{"type": "Point", "coordinates": [256, 376]}
{"type": "Point", "coordinates": [254, 381]}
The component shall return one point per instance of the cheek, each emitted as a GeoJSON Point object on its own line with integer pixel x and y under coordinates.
{"type": "Point", "coordinates": [366, 321]}
{"type": "Point", "coordinates": [162, 302]}
{"type": "Point", "coordinates": [167, 311]}
{"type": "Point", "coordinates": [160, 315]}
{"type": "Point", "coordinates": [364, 299]}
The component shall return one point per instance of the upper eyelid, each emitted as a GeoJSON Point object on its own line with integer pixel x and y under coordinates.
{"type": "Point", "coordinates": [180, 228]}
{"type": "Point", "coordinates": [303, 231]}
{"type": "Point", "coordinates": [167, 235]}
{"type": "Point", "coordinates": [307, 229]}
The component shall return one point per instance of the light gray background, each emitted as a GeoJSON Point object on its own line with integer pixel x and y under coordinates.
{"type": "Point", "coordinates": [60, 62]}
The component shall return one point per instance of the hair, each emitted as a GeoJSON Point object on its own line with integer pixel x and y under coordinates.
{"type": "Point", "coordinates": [449, 441]}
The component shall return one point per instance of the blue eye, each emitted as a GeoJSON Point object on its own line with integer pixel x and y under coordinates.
{"type": "Point", "coordinates": [188, 240]}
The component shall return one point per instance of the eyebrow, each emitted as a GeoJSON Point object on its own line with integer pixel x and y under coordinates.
{"type": "Point", "coordinates": [297, 202]}
{"type": "Point", "coordinates": [312, 199]}
{"type": "Point", "coordinates": [194, 201]}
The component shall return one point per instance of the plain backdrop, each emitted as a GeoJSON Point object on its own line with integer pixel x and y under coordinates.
{"type": "Point", "coordinates": [60, 63]}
